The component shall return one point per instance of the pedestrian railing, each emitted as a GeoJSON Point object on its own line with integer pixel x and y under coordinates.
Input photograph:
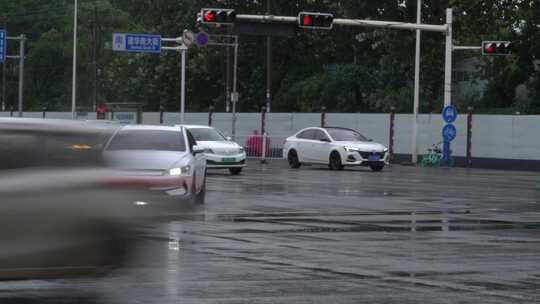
{"type": "Point", "coordinates": [262, 146]}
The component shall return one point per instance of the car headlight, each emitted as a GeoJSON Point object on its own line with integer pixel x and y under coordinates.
{"type": "Point", "coordinates": [349, 149]}
{"type": "Point", "coordinates": [180, 171]}
{"type": "Point", "coordinates": [385, 150]}
{"type": "Point", "coordinates": [241, 150]}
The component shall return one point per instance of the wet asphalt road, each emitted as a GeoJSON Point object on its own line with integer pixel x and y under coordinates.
{"type": "Point", "coordinates": [275, 235]}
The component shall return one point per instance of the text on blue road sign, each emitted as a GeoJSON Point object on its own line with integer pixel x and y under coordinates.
{"type": "Point", "coordinates": [141, 43]}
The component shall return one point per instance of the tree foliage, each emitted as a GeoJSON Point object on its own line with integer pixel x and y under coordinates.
{"type": "Point", "coordinates": [344, 70]}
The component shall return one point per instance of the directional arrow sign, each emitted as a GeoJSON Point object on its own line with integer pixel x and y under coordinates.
{"type": "Point", "coordinates": [137, 43]}
{"type": "Point", "coordinates": [449, 133]}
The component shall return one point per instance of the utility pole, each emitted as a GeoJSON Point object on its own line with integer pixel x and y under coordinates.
{"type": "Point", "coordinates": [268, 64]}
{"type": "Point", "coordinates": [74, 80]}
{"type": "Point", "coordinates": [94, 60]}
{"type": "Point", "coordinates": [228, 79]}
{"type": "Point", "coordinates": [416, 106]}
{"type": "Point", "coordinates": [234, 97]}
{"type": "Point", "coordinates": [4, 78]}
{"type": "Point", "coordinates": [183, 51]}
{"type": "Point", "coordinates": [448, 60]}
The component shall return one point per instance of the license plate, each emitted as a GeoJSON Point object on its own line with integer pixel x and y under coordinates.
{"type": "Point", "coordinates": [229, 160]}
{"type": "Point", "coordinates": [374, 158]}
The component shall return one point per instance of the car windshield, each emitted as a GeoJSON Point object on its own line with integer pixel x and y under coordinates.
{"type": "Point", "coordinates": [346, 135]}
{"type": "Point", "coordinates": [206, 134]}
{"type": "Point", "coordinates": [156, 140]}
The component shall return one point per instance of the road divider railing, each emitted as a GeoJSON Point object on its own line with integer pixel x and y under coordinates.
{"type": "Point", "coordinates": [262, 146]}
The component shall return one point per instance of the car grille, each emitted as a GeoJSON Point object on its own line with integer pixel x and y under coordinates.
{"type": "Point", "coordinates": [211, 162]}
{"type": "Point", "coordinates": [366, 155]}
{"type": "Point", "coordinates": [226, 151]}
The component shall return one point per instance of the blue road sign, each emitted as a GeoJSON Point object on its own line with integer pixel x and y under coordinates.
{"type": "Point", "coordinates": [3, 43]}
{"type": "Point", "coordinates": [450, 114]}
{"type": "Point", "coordinates": [449, 133]}
{"type": "Point", "coordinates": [137, 43]}
{"type": "Point", "coordinates": [202, 39]}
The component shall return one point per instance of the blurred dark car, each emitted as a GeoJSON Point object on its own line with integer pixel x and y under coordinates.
{"type": "Point", "coordinates": [62, 212]}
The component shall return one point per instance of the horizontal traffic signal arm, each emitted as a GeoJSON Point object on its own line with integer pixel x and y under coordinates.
{"type": "Point", "coordinates": [212, 16]}
{"type": "Point", "coordinates": [347, 22]}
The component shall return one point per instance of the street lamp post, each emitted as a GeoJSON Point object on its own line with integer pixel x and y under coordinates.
{"type": "Point", "coordinates": [74, 81]}
{"type": "Point", "coordinates": [416, 86]}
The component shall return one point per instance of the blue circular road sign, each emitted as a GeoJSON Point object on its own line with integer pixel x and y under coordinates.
{"type": "Point", "coordinates": [450, 114]}
{"type": "Point", "coordinates": [449, 133]}
{"type": "Point", "coordinates": [202, 39]}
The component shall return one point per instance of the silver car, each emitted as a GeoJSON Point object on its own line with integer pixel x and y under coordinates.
{"type": "Point", "coordinates": [164, 159]}
{"type": "Point", "coordinates": [220, 151]}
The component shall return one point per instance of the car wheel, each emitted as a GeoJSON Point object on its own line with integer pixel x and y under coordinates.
{"type": "Point", "coordinates": [376, 167]}
{"type": "Point", "coordinates": [335, 161]}
{"type": "Point", "coordinates": [235, 171]}
{"type": "Point", "coordinates": [292, 158]}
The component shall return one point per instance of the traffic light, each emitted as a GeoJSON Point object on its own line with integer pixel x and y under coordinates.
{"type": "Point", "coordinates": [217, 16]}
{"type": "Point", "coordinates": [494, 48]}
{"type": "Point", "coordinates": [315, 20]}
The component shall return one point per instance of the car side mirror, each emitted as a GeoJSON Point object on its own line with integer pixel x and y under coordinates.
{"type": "Point", "coordinates": [228, 138]}
{"type": "Point", "coordinates": [370, 139]}
{"type": "Point", "coordinates": [197, 150]}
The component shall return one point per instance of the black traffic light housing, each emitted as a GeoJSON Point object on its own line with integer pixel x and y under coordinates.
{"type": "Point", "coordinates": [217, 16]}
{"type": "Point", "coordinates": [496, 48]}
{"type": "Point", "coordinates": [309, 20]}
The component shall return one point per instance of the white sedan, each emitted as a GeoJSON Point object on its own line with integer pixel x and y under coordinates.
{"type": "Point", "coordinates": [335, 147]}
{"type": "Point", "coordinates": [164, 159]}
{"type": "Point", "coordinates": [220, 151]}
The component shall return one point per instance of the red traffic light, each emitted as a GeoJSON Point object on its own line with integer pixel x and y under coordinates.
{"type": "Point", "coordinates": [306, 21]}
{"type": "Point", "coordinates": [493, 48]}
{"type": "Point", "coordinates": [490, 48]}
{"type": "Point", "coordinates": [218, 16]}
{"type": "Point", "coordinates": [209, 16]}
{"type": "Point", "coordinates": [315, 20]}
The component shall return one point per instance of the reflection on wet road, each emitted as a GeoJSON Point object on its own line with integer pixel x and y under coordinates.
{"type": "Point", "coordinates": [275, 235]}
